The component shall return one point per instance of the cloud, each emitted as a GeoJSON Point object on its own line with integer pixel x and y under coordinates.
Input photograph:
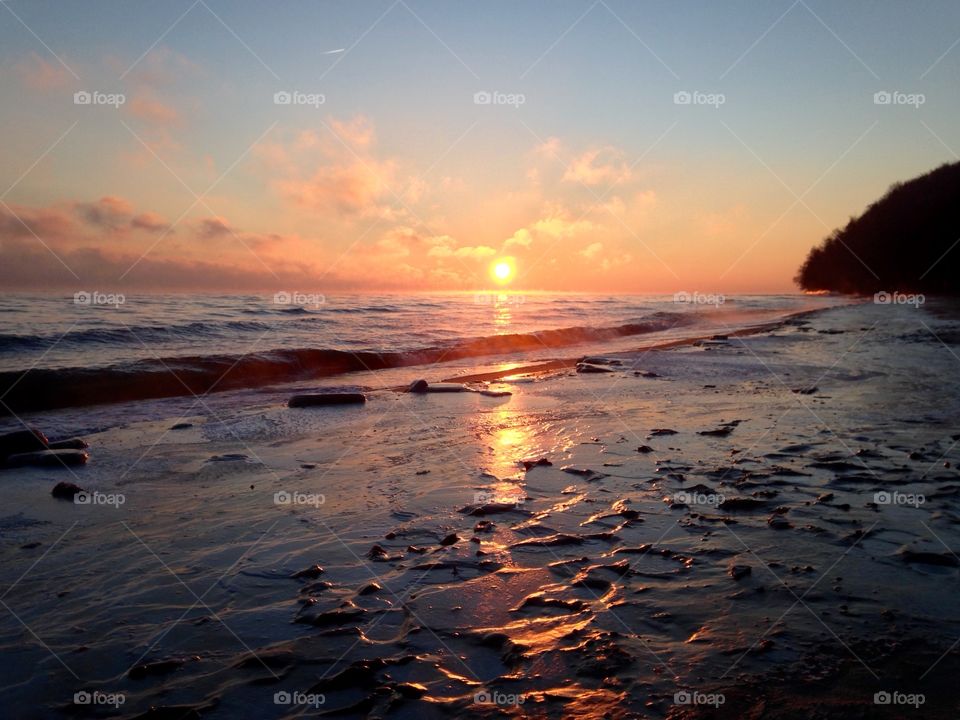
{"type": "Point", "coordinates": [151, 110]}
{"type": "Point", "coordinates": [592, 250]}
{"type": "Point", "coordinates": [150, 221]}
{"type": "Point", "coordinates": [38, 73]}
{"type": "Point", "coordinates": [593, 167]}
{"type": "Point", "coordinates": [213, 227]}
{"type": "Point", "coordinates": [357, 132]}
{"type": "Point", "coordinates": [107, 212]}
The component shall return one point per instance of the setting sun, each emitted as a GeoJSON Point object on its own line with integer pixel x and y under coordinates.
{"type": "Point", "coordinates": [503, 270]}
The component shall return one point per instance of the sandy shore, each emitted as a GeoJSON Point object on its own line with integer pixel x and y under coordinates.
{"type": "Point", "coordinates": [399, 559]}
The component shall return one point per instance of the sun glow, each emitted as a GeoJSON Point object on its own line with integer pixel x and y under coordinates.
{"type": "Point", "coordinates": [503, 270]}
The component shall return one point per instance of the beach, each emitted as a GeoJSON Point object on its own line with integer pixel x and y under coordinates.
{"type": "Point", "coordinates": [745, 525]}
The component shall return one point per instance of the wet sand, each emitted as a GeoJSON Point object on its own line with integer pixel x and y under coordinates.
{"type": "Point", "coordinates": [695, 532]}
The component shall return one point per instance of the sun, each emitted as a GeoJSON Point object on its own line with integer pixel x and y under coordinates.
{"type": "Point", "coordinates": [503, 270]}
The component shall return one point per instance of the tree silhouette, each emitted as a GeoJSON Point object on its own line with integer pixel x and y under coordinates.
{"type": "Point", "coordinates": [902, 242]}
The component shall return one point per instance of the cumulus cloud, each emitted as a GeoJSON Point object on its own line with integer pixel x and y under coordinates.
{"type": "Point", "coordinates": [598, 166]}
{"type": "Point", "coordinates": [592, 250]}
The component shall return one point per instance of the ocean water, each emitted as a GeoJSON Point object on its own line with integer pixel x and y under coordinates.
{"type": "Point", "coordinates": [99, 348]}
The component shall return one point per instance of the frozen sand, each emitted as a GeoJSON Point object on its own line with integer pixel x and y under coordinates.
{"type": "Point", "coordinates": [596, 594]}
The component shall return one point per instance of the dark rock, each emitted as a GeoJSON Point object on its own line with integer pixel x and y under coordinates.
{"type": "Point", "coordinates": [181, 426]}
{"type": "Point", "coordinates": [49, 459]}
{"type": "Point", "coordinates": [65, 490]}
{"type": "Point", "coordinates": [529, 464]}
{"type": "Point", "coordinates": [418, 386]}
{"type": "Point", "coordinates": [741, 504]}
{"type": "Point", "coordinates": [806, 390]}
{"type": "Point", "coordinates": [68, 444]}
{"type": "Point", "coordinates": [312, 572]}
{"type": "Point", "coordinates": [322, 399]}
{"type": "Point", "coordinates": [22, 441]}
{"type": "Point", "coordinates": [369, 589]}
{"type": "Point", "coordinates": [588, 368]}
{"type": "Point", "coordinates": [658, 432]}
{"type": "Point", "coordinates": [645, 449]}
{"type": "Point", "coordinates": [450, 539]}
{"type": "Point", "coordinates": [739, 571]}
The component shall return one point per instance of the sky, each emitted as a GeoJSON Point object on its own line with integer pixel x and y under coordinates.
{"type": "Point", "coordinates": [411, 145]}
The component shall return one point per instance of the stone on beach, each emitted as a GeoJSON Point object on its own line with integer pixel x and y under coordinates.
{"type": "Point", "coordinates": [65, 490]}
{"type": "Point", "coordinates": [322, 399]}
{"type": "Point", "coordinates": [591, 368]}
{"type": "Point", "coordinates": [48, 459]}
{"type": "Point", "coordinates": [22, 441]}
{"type": "Point", "coordinates": [68, 444]}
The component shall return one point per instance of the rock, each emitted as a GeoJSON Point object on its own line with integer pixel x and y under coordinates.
{"type": "Point", "coordinates": [321, 399]}
{"type": "Point", "coordinates": [806, 390]}
{"type": "Point", "coordinates": [741, 504]}
{"type": "Point", "coordinates": [68, 444]}
{"type": "Point", "coordinates": [369, 589]}
{"type": "Point", "coordinates": [779, 522]}
{"type": "Point", "coordinates": [659, 432]}
{"type": "Point", "coordinates": [530, 464]}
{"type": "Point", "coordinates": [418, 386]}
{"type": "Point", "coordinates": [450, 539]}
{"type": "Point", "coordinates": [495, 393]}
{"type": "Point", "coordinates": [181, 426]}
{"type": "Point", "coordinates": [645, 449]}
{"type": "Point", "coordinates": [49, 459]}
{"type": "Point", "coordinates": [65, 490]}
{"type": "Point", "coordinates": [312, 572]}
{"type": "Point", "coordinates": [447, 387]}
{"type": "Point", "coordinates": [22, 441]}
{"type": "Point", "coordinates": [739, 571]}
{"type": "Point", "coordinates": [589, 368]}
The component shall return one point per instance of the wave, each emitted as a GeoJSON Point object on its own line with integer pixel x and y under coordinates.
{"type": "Point", "coordinates": [48, 389]}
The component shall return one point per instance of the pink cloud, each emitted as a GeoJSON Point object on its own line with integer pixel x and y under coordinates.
{"type": "Point", "coordinates": [38, 73]}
